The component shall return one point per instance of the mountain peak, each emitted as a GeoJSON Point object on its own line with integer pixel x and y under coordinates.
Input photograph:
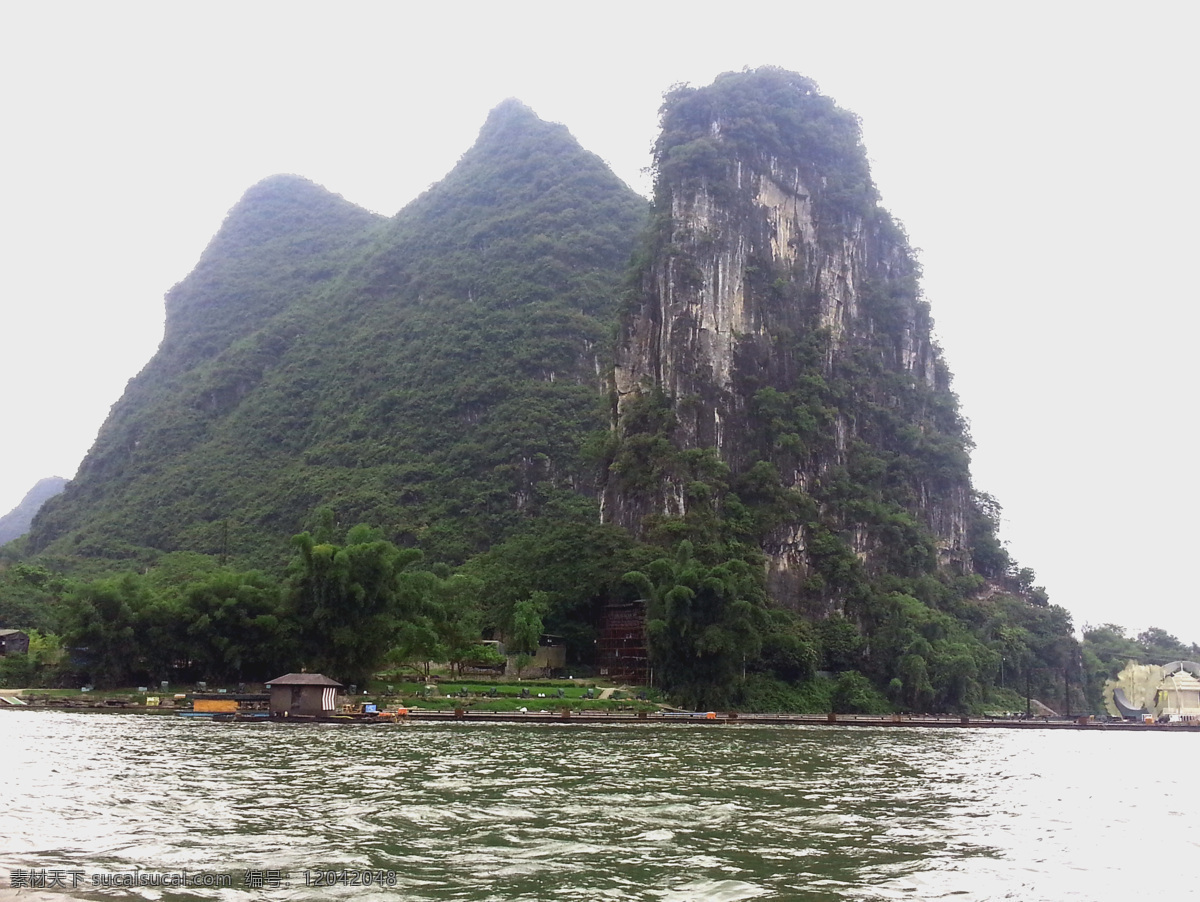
{"type": "Point", "coordinates": [512, 120]}
{"type": "Point", "coordinates": [511, 110]}
{"type": "Point", "coordinates": [280, 205]}
{"type": "Point", "coordinates": [512, 106]}
{"type": "Point", "coordinates": [285, 181]}
{"type": "Point", "coordinates": [282, 224]}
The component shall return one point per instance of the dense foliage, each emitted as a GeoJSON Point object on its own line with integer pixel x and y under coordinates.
{"type": "Point", "coordinates": [346, 608]}
{"type": "Point", "coordinates": [354, 605]}
{"type": "Point", "coordinates": [759, 116]}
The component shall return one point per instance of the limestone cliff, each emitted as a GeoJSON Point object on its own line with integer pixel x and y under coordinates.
{"type": "Point", "coordinates": [777, 316]}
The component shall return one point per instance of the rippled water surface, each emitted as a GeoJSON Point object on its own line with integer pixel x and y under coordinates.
{"type": "Point", "coordinates": [589, 812]}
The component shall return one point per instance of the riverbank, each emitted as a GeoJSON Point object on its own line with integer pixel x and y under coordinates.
{"type": "Point", "coordinates": [734, 719]}
{"type": "Point", "coordinates": [591, 717]}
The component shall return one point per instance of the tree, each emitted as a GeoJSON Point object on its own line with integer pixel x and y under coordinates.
{"type": "Point", "coordinates": [1012, 645]}
{"type": "Point", "coordinates": [841, 643]}
{"type": "Point", "coordinates": [788, 650]}
{"type": "Point", "coordinates": [1112, 648]}
{"type": "Point", "coordinates": [458, 617]}
{"type": "Point", "coordinates": [575, 562]}
{"type": "Point", "coordinates": [236, 628]}
{"type": "Point", "coordinates": [703, 624]}
{"type": "Point", "coordinates": [1160, 647]}
{"type": "Point", "coordinates": [913, 685]}
{"type": "Point", "coordinates": [854, 694]}
{"type": "Point", "coordinates": [101, 623]}
{"type": "Point", "coordinates": [29, 596]}
{"type": "Point", "coordinates": [525, 628]}
{"type": "Point", "coordinates": [417, 642]}
{"type": "Point", "coordinates": [351, 600]}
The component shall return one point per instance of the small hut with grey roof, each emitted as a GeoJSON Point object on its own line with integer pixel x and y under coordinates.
{"type": "Point", "coordinates": [303, 694]}
{"type": "Point", "coordinates": [13, 642]}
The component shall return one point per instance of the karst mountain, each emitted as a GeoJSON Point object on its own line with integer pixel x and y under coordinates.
{"type": "Point", "coordinates": [725, 403]}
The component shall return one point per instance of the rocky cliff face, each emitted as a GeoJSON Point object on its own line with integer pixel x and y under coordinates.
{"type": "Point", "coordinates": [777, 313]}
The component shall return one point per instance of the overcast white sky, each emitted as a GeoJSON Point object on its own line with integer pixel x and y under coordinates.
{"type": "Point", "coordinates": [1042, 155]}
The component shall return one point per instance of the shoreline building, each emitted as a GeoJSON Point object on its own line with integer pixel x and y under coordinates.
{"type": "Point", "coordinates": [13, 642]}
{"type": "Point", "coordinates": [303, 695]}
{"type": "Point", "coordinates": [1167, 692]}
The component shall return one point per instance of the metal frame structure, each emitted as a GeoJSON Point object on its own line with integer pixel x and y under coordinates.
{"type": "Point", "coordinates": [621, 645]}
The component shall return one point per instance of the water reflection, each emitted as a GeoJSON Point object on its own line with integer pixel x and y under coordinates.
{"type": "Point", "coordinates": [558, 811]}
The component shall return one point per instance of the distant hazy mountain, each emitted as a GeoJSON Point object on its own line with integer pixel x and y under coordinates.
{"type": "Point", "coordinates": [16, 522]}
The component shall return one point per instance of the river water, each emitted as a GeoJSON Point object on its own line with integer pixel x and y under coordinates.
{"type": "Point", "coordinates": [588, 812]}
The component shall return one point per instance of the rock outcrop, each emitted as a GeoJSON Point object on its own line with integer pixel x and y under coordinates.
{"type": "Point", "coordinates": [773, 276]}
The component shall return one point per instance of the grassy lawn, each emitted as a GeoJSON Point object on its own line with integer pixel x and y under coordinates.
{"type": "Point", "coordinates": [508, 695]}
{"type": "Point", "coordinates": [443, 695]}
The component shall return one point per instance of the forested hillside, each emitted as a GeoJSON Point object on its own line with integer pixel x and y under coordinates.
{"type": "Point", "coordinates": [178, 462]}
{"type": "Point", "coordinates": [439, 374]}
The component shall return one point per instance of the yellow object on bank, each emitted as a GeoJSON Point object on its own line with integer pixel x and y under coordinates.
{"type": "Point", "coordinates": [215, 706]}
